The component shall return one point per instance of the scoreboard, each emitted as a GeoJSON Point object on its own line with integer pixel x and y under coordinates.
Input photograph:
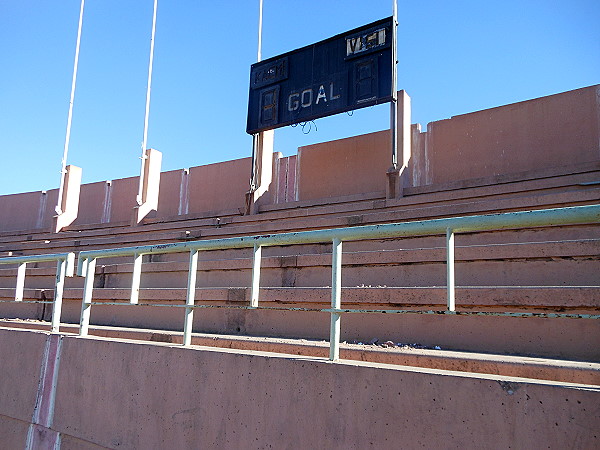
{"type": "Point", "coordinates": [345, 72]}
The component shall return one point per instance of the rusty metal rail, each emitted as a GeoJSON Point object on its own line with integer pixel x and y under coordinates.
{"type": "Point", "coordinates": [65, 264]}
{"type": "Point", "coordinates": [448, 227]}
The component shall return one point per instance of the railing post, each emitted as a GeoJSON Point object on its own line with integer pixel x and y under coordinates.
{"type": "Point", "coordinates": [255, 275]}
{"type": "Point", "coordinates": [336, 300]}
{"type": "Point", "coordinates": [20, 282]}
{"type": "Point", "coordinates": [450, 269]}
{"type": "Point", "coordinates": [190, 298]}
{"type": "Point", "coordinates": [61, 270]}
{"type": "Point", "coordinates": [135, 280]}
{"type": "Point", "coordinates": [86, 304]}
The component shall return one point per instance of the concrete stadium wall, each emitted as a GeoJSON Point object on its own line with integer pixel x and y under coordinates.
{"type": "Point", "coordinates": [557, 131]}
{"type": "Point", "coordinates": [173, 197]}
{"type": "Point", "coordinates": [92, 207]}
{"type": "Point", "coordinates": [219, 187]}
{"type": "Point", "coordinates": [215, 187]}
{"type": "Point", "coordinates": [95, 392]}
{"type": "Point", "coordinates": [285, 179]}
{"type": "Point", "coordinates": [554, 131]}
{"type": "Point", "coordinates": [355, 165]}
{"type": "Point", "coordinates": [27, 211]}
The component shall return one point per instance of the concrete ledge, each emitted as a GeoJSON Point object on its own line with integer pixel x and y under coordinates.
{"type": "Point", "coordinates": [405, 355]}
{"type": "Point", "coordinates": [271, 225]}
{"type": "Point", "coordinates": [179, 397]}
{"type": "Point", "coordinates": [566, 299]}
{"type": "Point", "coordinates": [223, 398]}
{"type": "Point", "coordinates": [13, 432]}
{"type": "Point", "coordinates": [496, 181]}
{"type": "Point", "coordinates": [563, 338]}
{"type": "Point", "coordinates": [408, 208]}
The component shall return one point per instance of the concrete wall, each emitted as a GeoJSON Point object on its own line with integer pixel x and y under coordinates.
{"type": "Point", "coordinates": [215, 187]}
{"type": "Point", "coordinates": [560, 130]}
{"type": "Point", "coordinates": [557, 131]}
{"type": "Point", "coordinates": [221, 186]}
{"type": "Point", "coordinates": [27, 211]}
{"type": "Point", "coordinates": [92, 205]}
{"type": "Point", "coordinates": [355, 165]}
{"type": "Point", "coordinates": [173, 197]}
{"type": "Point", "coordinates": [285, 179]}
{"type": "Point", "coordinates": [131, 395]}
{"type": "Point", "coordinates": [554, 131]}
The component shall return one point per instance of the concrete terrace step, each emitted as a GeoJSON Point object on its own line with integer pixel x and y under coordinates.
{"type": "Point", "coordinates": [492, 188]}
{"type": "Point", "coordinates": [573, 177]}
{"type": "Point", "coordinates": [144, 236]}
{"type": "Point", "coordinates": [524, 263]}
{"type": "Point", "coordinates": [536, 368]}
{"type": "Point", "coordinates": [543, 336]}
{"type": "Point", "coordinates": [567, 299]}
{"type": "Point", "coordinates": [296, 219]}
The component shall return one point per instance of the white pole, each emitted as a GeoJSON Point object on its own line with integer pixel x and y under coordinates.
{"type": "Point", "coordinates": [260, 14]}
{"type": "Point", "coordinates": [394, 103]}
{"type": "Point", "coordinates": [450, 281]}
{"type": "Point", "coordinates": [336, 300]}
{"type": "Point", "coordinates": [255, 137]}
{"type": "Point", "coordinates": [145, 138]}
{"type": "Point", "coordinates": [63, 168]}
{"type": "Point", "coordinates": [188, 323]}
{"type": "Point", "coordinates": [256, 260]}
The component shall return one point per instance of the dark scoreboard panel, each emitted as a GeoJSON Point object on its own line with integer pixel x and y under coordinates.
{"type": "Point", "coordinates": [345, 72]}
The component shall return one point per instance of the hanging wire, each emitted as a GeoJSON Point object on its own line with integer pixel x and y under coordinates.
{"type": "Point", "coordinates": [63, 169]}
{"type": "Point", "coordinates": [304, 125]}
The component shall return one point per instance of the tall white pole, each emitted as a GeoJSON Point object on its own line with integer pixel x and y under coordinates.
{"type": "Point", "coordinates": [63, 168]}
{"type": "Point", "coordinates": [260, 14]}
{"type": "Point", "coordinates": [394, 102]}
{"type": "Point", "coordinates": [255, 137]}
{"type": "Point", "coordinates": [145, 138]}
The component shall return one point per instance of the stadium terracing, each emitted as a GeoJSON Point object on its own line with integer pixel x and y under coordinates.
{"type": "Point", "coordinates": [454, 302]}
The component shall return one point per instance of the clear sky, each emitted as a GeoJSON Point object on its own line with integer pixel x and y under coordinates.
{"type": "Point", "coordinates": [454, 57]}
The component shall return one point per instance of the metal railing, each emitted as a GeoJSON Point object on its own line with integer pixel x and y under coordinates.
{"type": "Point", "coordinates": [65, 264]}
{"type": "Point", "coordinates": [448, 227]}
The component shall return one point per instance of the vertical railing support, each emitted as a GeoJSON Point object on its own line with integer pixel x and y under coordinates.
{"type": "Point", "coordinates": [135, 280]}
{"type": "Point", "coordinates": [450, 269]}
{"type": "Point", "coordinates": [61, 271]}
{"type": "Point", "coordinates": [336, 300]}
{"type": "Point", "coordinates": [20, 282]}
{"type": "Point", "coordinates": [64, 268]}
{"type": "Point", "coordinates": [190, 298]}
{"type": "Point", "coordinates": [255, 275]}
{"type": "Point", "coordinates": [86, 304]}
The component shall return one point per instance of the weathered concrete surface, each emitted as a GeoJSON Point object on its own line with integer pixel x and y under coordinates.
{"type": "Point", "coordinates": [569, 338]}
{"type": "Point", "coordinates": [21, 353]}
{"type": "Point", "coordinates": [123, 193]}
{"type": "Point", "coordinates": [286, 187]}
{"type": "Point", "coordinates": [581, 372]}
{"type": "Point", "coordinates": [331, 169]}
{"type": "Point", "coordinates": [551, 132]}
{"type": "Point", "coordinates": [12, 432]}
{"type": "Point", "coordinates": [561, 129]}
{"type": "Point", "coordinates": [174, 193]}
{"type": "Point", "coordinates": [92, 206]}
{"type": "Point", "coordinates": [221, 186]}
{"type": "Point", "coordinates": [114, 394]}
{"type": "Point", "coordinates": [118, 394]}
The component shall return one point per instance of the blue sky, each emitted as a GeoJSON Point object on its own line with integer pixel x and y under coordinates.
{"type": "Point", "coordinates": [454, 57]}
